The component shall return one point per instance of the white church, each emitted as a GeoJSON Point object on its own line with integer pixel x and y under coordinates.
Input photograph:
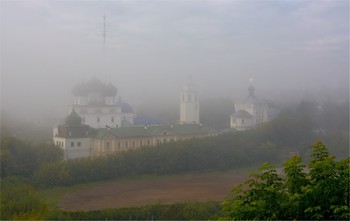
{"type": "Point", "coordinates": [251, 111]}
{"type": "Point", "coordinates": [100, 125]}
{"type": "Point", "coordinates": [97, 104]}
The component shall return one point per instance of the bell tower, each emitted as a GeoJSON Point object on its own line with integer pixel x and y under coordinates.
{"type": "Point", "coordinates": [189, 104]}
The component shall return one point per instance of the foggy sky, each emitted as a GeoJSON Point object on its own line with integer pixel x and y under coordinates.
{"type": "Point", "coordinates": [152, 47]}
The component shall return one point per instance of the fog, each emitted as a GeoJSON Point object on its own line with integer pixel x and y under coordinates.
{"type": "Point", "coordinates": [292, 50]}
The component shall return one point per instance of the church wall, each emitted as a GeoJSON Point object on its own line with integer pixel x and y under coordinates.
{"type": "Point", "coordinates": [74, 147]}
{"type": "Point", "coordinates": [104, 146]}
{"type": "Point", "coordinates": [101, 120]}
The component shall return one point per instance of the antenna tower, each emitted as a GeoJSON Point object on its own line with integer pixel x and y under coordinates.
{"type": "Point", "coordinates": [104, 33]}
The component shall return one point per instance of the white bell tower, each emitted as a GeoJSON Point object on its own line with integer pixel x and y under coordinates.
{"type": "Point", "coordinates": [189, 104]}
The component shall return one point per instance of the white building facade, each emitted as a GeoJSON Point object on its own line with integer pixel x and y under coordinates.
{"type": "Point", "coordinates": [97, 105]}
{"type": "Point", "coordinates": [73, 137]}
{"type": "Point", "coordinates": [249, 112]}
{"type": "Point", "coordinates": [189, 104]}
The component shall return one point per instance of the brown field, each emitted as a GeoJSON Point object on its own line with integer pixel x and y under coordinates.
{"type": "Point", "coordinates": [199, 187]}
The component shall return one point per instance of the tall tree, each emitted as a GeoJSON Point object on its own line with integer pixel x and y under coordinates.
{"type": "Point", "coordinates": [321, 192]}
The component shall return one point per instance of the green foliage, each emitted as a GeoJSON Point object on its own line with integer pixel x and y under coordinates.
{"type": "Point", "coordinates": [178, 211]}
{"type": "Point", "coordinates": [259, 201]}
{"type": "Point", "coordinates": [320, 193]}
{"type": "Point", "coordinates": [219, 153]}
{"type": "Point", "coordinates": [19, 201]}
{"type": "Point", "coordinates": [22, 159]}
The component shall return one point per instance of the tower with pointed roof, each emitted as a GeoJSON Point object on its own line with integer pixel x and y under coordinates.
{"type": "Point", "coordinates": [189, 104]}
{"type": "Point", "coordinates": [249, 112]}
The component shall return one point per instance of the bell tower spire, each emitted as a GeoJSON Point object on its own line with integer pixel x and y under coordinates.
{"type": "Point", "coordinates": [189, 104]}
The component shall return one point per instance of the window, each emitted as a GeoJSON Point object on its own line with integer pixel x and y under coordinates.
{"type": "Point", "coordinates": [72, 144]}
{"type": "Point", "coordinates": [126, 144]}
{"type": "Point", "coordinates": [57, 143]}
{"type": "Point", "coordinates": [112, 119]}
{"type": "Point", "coordinates": [140, 143]}
{"type": "Point", "coordinates": [133, 144]}
{"type": "Point", "coordinates": [79, 144]}
{"type": "Point", "coordinates": [107, 145]}
{"type": "Point", "coordinates": [118, 144]}
{"type": "Point", "coordinates": [148, 142]}
{"type": "Point", "coordinates": [158, 141]}
{"type": "Point", "coordinates": [98, 120]}
{"type": "Point", "coordinates": [69, 133]}
{"type": "Point", "coordinates": [242, 121]}
{"type": "Point", "coordinates": [189, 98]}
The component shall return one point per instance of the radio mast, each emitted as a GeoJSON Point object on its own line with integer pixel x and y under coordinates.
{"type": "Point", "coordinates": [104, 32]}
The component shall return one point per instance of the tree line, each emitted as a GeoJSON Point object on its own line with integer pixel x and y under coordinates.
{"type": "Point", "coordinates": [272, 142]}
{"type": "Point", "coordinates": [269, 142]}
{"type": "Point", "coordinates": [191, 210]}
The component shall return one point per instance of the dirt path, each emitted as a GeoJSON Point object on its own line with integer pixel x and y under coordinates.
{"type": "Point", "coordinates": [200, 187]}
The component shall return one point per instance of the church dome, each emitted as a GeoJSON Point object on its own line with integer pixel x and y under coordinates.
{"type": "Point", "coordinates": [73, 119]}
{"type": "Point", "coordinates": [251, 99]}
{"type": "Point", "coordinates": [94, 86]}
{"type": "Point", "coordinates": [242, 114]}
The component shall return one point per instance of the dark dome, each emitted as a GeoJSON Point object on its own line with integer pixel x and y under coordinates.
{"type": "Point", "coordinates": [242, 114]}
{"type": "Point", "coordinates": [94, 86]}
{"type": "Point", "coordinates": [73, 119]}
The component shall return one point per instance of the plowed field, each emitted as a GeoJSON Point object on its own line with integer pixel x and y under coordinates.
{"type": "Point", "coordinates": [172, 189]}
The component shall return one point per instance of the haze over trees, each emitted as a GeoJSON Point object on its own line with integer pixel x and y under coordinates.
{"type": "Point", "coordinates": [296, 51]}
{"type": "Point", "coordinates": [39, 165]}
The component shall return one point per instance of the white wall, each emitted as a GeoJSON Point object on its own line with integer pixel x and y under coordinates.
{"type": "Point", "coordinates": [73, 152]}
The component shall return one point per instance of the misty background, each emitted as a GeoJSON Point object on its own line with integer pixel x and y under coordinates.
{"type": "Point", "coordinates": [293, 50]}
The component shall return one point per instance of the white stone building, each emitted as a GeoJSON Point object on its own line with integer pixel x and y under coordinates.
{"type": "Point", "coordinates": [249, 112]}
{"type": "Point", "coordinates": [97, 105]}
{"type": "Point", "coordinates": [98, 125]}
{"type": "Point", "coordinates": [189, 104]}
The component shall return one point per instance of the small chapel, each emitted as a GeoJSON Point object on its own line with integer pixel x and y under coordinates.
{"type": "Point", "coordinates": [249, 112]}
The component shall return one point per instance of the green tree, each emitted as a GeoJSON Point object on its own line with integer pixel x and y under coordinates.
{"type": "Point", "coordinates": [257, 198]}
{"type": "Point", "coordinates": [320, 193]}
{"type": "Point", "coordinates": [19, 200]}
